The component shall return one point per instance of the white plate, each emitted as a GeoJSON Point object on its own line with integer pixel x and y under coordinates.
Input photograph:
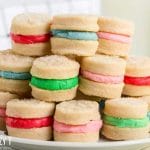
{"type": "Point", "coordinates": [27, 144]}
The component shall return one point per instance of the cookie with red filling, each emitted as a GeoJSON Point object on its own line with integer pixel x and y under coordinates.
{"type": "Point", "coordinates": [4, 98]}
{"type": "Point", "coordinates": [137, 77]}
{"type": "Point", "coordinates": [30, 34]}
{"type": "Point", "coordinates": [30, 118]}
{"type": "Point", "coordinates": [115, 36]}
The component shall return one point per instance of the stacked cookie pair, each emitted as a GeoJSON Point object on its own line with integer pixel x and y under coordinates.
{"type": "Point", "coordinates": [30, 37]}
{"type": "Point", "coordinates": [102, 75]}
{"type": "Point", "coordinates": [76, 121]}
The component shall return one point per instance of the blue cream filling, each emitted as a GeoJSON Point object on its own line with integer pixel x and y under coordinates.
{"type": "Point", "coordinates": [75, 35]}
{"type": "Point", "coordinates": [15, 75]}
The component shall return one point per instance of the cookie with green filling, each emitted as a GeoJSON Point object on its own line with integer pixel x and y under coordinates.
{"type": "Point", "coordinates": [15, 73]}
{"type": "Point", "coordinates": [147, 100]}
{"type": "Point", "coordinates": [125, 119]}
{"type": "Point", "coordinates": [54, 78]}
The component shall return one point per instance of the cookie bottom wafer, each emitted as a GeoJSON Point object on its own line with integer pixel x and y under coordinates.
{"type": "Point", "coordinates": [43, 133]}
{"type": "Point", "coordinates": [64, 46]}
{"type": "Point", "coordinates": [76, 137]}
{"type": "Point", "coordinates": [115, 133]}
{"type": "Point", "coordinates": [36, 49]}
{"type": "Point", "coordinates": [59, 95]}
{"type": "Point", "coordinates": [100, 89]}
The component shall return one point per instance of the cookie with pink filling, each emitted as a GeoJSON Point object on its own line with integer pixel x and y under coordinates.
{"type": "Point", "coordinates": [102, 76]}
{"type": "Point", "coordinates": [30, 118]}
{"type": "Point", "coordinates": [115, 36]}
{"type": "Point", "coordinates": [4, 98]}
{"type": "Point", "coordinates": [77, 121]}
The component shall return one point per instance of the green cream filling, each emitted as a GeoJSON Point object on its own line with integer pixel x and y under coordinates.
{"type": "Point", "coordinates": [54, 84]}
{"type": "Point", "coordinates": [125, 122]}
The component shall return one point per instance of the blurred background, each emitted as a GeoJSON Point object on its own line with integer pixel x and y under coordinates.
{"type": "Point", "coordinates": [135, 10]}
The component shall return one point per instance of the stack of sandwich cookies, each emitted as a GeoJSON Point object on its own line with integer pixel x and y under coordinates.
{"type": "Point", "coordinates": [137, 77]}
{"type": "Point", "coordinates": [30, 34]}
{"type": "Point", "coordinates": [30, 118]}
{"type": "Point", "coordinates": [4, 98]}
{"type": "Point", "coordinates": [54, 78]}
{"type": "Point", "coordinates": [15, 73]}
{"type": "Point", "coordinates": [77, 121]}
{"type": "Point", "coordinates": [125, 119]}
{"type": "Point", "coordinates": [115, 36]}
{"type": "Point", "coordinates": [74, 34]}
{"type": "Point", "coordinates": [102, 76]}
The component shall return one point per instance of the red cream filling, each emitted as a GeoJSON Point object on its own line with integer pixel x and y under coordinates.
{"type": "Point", "coordinates": [140, 81]}
{"type": "Point", "coordinates": [30, 39]}
{"type": "Point", "coordinates": [29, 123]}
{"type": "Point", "coordinates": [2, 112]}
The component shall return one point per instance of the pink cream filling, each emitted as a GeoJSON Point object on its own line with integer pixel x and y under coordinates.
{"type": "Point", "coordinates": [114, 37]}
{"type": "Point", "coordinates": [102, 78]}
{"type": "Point", "coordinates": [2, 112]}
{"type": "Point", "coordinates": [92, 126]}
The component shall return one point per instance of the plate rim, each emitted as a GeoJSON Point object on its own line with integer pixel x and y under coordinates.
{"type": "Point", "coordinates": [78, 144]}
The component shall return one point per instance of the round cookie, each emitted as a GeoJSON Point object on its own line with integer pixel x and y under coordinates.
{"type": "Point", "coordinates": [100, 78]}
{"type": "Point", "coordinates": [74, 34]}
{"type": "Point", "coordinates": [4, 98]}
{"type": "Point", "coordinates": [54, 78]}
{"type": "Point", "coordinates": [77, 121]}
{"type": "Point", "coordinates": [125, 119]}
{"type": "Point", "coordinates": [147, 100]}
{"type": "Point", "coordinates": [14, 73]}
{"type": "Point", "coordinates": [30, 34]}
{"type": "Point", "coordinates": [115, 36]}
{"type": "Point", "coordinates": [30, 118]}
{"type": "Point", "coordinates": [137, 76]}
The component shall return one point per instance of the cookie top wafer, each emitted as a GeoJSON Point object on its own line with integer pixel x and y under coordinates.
{"type": "Point", "coordinates": [126, 108]}
{"type": "Point", "coordinates": [116, 25]}
{"type": "Point", "coordinates": [29, 108]}
{"type": "Point", "coordinates": [15, 63]}
{"type": "Point", "coordinates": [5, 97]}
{"type": "Point", "coordinates": [77, 112]}
{"type": "Point", "coordinates": [138, 66]}
{"type": "Point", "coordinates": [75, 22]}
{"type": "Point", "coordinates": [55, 67]}
{"type": "Point", "coordinates": [102, 64]}
{"type": "Point", "coordinates": [31, 24]}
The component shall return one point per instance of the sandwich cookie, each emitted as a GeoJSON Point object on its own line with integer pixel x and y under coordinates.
{"type": "Point", "coordinates": [15, 73]}
{"type": "Point", "coordinates": [115, 36]}
{"type": "Point", "coordinates": [30, 118]}
{"type": "Point", "coordinates": [74, 34]}
{"type": "Point", "coordinates": [102, 76]}
{"type": "Point", "coordinates": [54, 78]}
{"type": "Point", "coordinates": [137, 77]}
{"type": "Point", "coordinates": [147, 100]}
{"type": "Point", "coordinates": [125, 119]}
{"type": "Point", "coordinates": [4, 98]}
{"type": "Point", "coordinates": [77, 121]}
{"type": "Point", "coordinates": [30, 34]}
